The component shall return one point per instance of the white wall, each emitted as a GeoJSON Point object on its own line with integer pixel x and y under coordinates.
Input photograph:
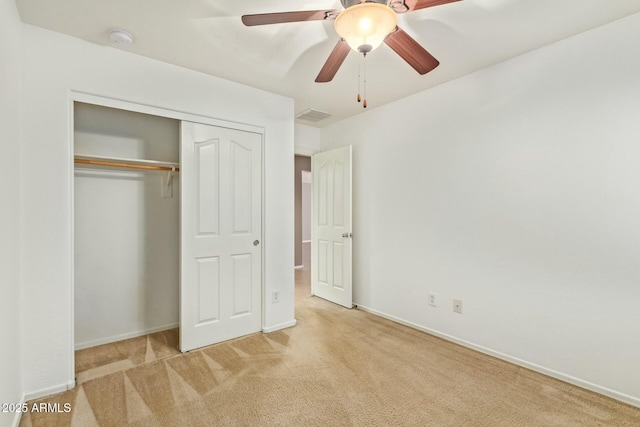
{"type": "Point", "coordinates": [307, 139]}
{"type": "Point", "coordinates": [55, 65]}
{"type": "Point", "coordinates": [126, 234]}
{"type": "Point", "coordinates": [10, 93]}
{"type": "Point", "coordinates": [517, 190]}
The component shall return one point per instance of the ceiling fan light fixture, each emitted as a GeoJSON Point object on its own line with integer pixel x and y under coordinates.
{"type": "Point", "coordinates": [365, 25]}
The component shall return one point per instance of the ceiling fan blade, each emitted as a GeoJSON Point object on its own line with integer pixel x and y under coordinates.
{"type": "Point", "coordinates": [411, 51]}
{"type": "Point", "coordinates": [335, 60]}
{"type": "Point", "coordinates": [282, 17]}
{"type": "Point", "coordinates": [423, 4]}
{"type": "Point", "coordinates": [402, 6]}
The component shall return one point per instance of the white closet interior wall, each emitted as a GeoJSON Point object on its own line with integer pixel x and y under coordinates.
{"type": "Point", "coordinates": [126, 236]}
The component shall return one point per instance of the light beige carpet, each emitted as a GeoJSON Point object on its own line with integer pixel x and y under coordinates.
{"type": "Point", "coordinates": [336, 367]}
{"type": "Point", "coordinates": [106, 359]}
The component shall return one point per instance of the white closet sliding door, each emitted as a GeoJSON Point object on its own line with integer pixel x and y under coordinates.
{"type": "Point", "coordinates": [221, 234]}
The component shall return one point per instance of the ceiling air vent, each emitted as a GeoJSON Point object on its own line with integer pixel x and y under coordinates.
{"type": "Point", "coordinates": [312, 115]}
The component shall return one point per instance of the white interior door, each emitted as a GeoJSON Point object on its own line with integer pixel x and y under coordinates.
{"type": "Point", "coordinates": [331, 237]}
{"type": "Point", "coordinates": [221, 234]}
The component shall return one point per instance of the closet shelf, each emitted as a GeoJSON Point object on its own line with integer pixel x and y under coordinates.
{"type": "Point", "coordinates": [120, 162]}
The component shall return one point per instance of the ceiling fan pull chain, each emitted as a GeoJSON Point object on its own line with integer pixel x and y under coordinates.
{"type": "Point", "coordinates": [359, 98]}
{"type": "Point", "coordinates": [364, 66]}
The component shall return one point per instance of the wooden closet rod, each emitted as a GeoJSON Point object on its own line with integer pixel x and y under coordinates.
{"type": "Point", "coordinates": [124, 165]}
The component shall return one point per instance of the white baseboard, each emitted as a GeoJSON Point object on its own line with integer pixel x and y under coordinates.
{"type": "Point", "coordinates": [625, 398]}
{"type": "Point", "coordinates": [284, 325]}
{"type": "Point", "coordinates": [107, 340]}
{"type": "Point", "coordinates": [17, 417]}
{"type": "Point", "coordinates": [46, 392]}
{"type": "Point", "coordinates": [298, 267]}
{"type": "Point", "coordinates": [41, 393]}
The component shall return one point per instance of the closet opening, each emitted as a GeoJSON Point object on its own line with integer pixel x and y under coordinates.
{"type": "Point", "coordinates": [126, 238]}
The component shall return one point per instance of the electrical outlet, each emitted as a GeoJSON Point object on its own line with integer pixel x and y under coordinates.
{"type": "Point", "coordinates": [432, 299]}
{"type": "Point", "coordinates": [457, 306]}
{"type": "Point", "coordinates": [275, 297]}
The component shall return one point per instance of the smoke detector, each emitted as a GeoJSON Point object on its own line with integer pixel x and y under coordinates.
{"type": "Point", "coordinates": [120, 37]}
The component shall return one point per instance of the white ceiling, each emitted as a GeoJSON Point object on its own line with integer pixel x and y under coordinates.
{"type": "Point", "coordinates": [208, 36]}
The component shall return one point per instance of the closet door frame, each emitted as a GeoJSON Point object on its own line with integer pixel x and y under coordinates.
{"type": "Point", "coordinates": [102, 101]}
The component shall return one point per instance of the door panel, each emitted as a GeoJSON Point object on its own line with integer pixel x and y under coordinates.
{"type": "Point", "coordinates": [221, 217]}
{"type": "Point", "coordinates": [208, 279]}
{"type": "Point", "coordinates": [331, 232]}
{"type": "Point", "coordinates": [338, 194]}
{"type": "Point", "coordinates": [338, 257]}
{"type": "Point", "coordinates": [208, 184]}
{"type": "Point", "coordinates": [321, 202]}
{"type": "Point", "coordinates": [242, 289]}
{"type": "Point", "coordinates": [322, 264]}
{"type": "Point", "coordinates": [242, 186]}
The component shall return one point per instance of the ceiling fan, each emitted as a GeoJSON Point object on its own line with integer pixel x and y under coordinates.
{"type": "Point", "coordinates": [363, 25]}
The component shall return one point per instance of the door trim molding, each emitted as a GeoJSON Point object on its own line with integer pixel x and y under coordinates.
{"type": "Point", "coordinates": [303, 151]}
{"type": "Point", "coordinates": [120, 104]}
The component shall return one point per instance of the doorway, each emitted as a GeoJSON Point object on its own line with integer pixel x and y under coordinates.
{"type": "Point", "coordinates": [126, 239]}
{"type": "Point", "coordinates": [126, 226]}
{"type": "Point", "coordinates": [303, 196]}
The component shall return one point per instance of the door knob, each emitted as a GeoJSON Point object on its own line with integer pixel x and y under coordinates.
{"type": "Point", "coordinates": [256, 242]}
